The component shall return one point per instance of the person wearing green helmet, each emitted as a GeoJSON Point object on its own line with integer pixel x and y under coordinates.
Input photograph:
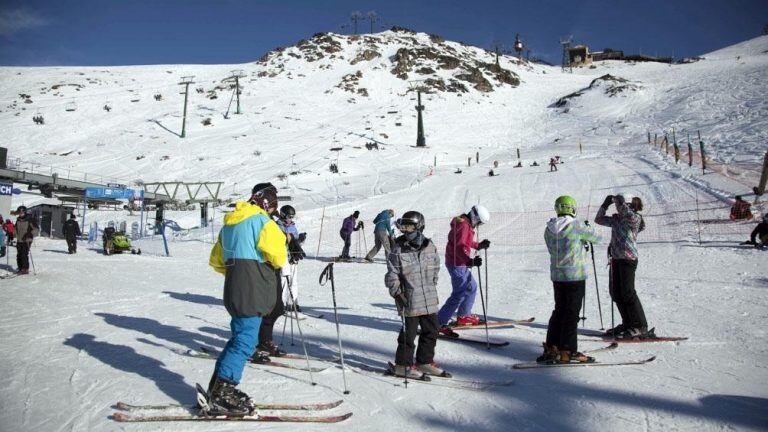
{"type": "Point", "coordinates": [566, 237]}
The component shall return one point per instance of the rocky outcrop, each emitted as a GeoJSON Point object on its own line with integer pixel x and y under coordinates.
{"type": "Point", "coordinates": [365, 55]}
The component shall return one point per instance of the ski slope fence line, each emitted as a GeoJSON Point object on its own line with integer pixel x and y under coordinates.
{"type": "Point", "coordinates": [679, 221]}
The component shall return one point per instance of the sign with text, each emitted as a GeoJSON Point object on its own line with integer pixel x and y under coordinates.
{"type": "Point", "coordinates": [113, 193]}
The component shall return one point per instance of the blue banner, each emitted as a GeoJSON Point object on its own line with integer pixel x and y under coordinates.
{"type": "Point", "coordinates": [113, 193]}
{"type": "Point", "coordinates": [6, 189]}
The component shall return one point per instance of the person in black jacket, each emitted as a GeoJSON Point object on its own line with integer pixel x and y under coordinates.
{"type": "Point", "coordinates": [26, 230]}
{"type": "Point", "coordinates": [71, 233]}
{"type": "Point", "coordinates": [759, 236]}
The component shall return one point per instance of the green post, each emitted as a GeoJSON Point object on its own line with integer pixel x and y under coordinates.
{"type": "Point", "coordinates": [703, 156]}
{"type": "Point", "coordinates": [649, 137]}
{"type": "Point", "coordinates": [237, 93]}
{"type": "Point", "coordinates": [690, 151]}
{"type": "Point", "coordinates": [666, 144]}
{"type": "Point", "coordinates": [518, 152]}
{"type": "Point", "coordinates": [674, 143]}
{"type": "Point", "coordinates": [184, 118]}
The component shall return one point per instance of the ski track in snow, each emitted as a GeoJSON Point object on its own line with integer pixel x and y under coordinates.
{"type": "Point", "coordinates": [89, 330]}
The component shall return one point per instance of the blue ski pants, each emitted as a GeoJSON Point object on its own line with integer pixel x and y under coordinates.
{"type": "Point", "coordinates": [240, 347]}
{"type": "Point", "coordinates": [463, 295]}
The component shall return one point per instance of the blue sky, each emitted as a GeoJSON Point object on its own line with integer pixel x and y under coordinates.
{"type": "Point", "coordinates": [122, 32]}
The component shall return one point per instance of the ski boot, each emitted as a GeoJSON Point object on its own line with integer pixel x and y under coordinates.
{"type": "Point", "coordinates": [448, 332]}
{"type": "Point", "coordinates": [225, 399]}
{"type": "Point", "coordinates": [468, 320]}
{"type": "Point", "coordinates": [433, 369]}
{"type": "Point", "coordinates": [574, 357]}
{"type": "Point", "coordinates": [260, 357]}
{"type": "Point", "coordinates": [411, 371]}
{"type": "Point", "coordinates": [616, 330]}
{"type": "Point", "coordinates": [271, 349]}
{"type": "Point", "coordinates": [550, 355]}
{"type": "Point", "coordinates": [635, 333]}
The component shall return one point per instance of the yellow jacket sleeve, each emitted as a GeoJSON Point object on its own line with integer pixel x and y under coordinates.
{"type": "Point", "coordinates": [217, 258]}
{"type": "Point", "coordinates": [272, 245]}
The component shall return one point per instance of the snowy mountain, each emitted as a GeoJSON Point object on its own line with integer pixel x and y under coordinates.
{"type": "Point", "coordinates": [87, 330]}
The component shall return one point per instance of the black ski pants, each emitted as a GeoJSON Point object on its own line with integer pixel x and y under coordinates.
{"type": "Point", "coordinates": [564, 321]}
{"type": "Point", "coordinates": [268, 321]}
{"type": "Point", "coordinates": [622, 290]}
{"type": "Point", "coordinates": [22, 255]}
{"type": "Point", "coordinates": [72, 244]}
{"type": "Point", "coordinates": [425, 353]}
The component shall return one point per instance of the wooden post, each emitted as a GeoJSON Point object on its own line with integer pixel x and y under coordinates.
{"type": "Point", "coordinates": [760, 189]}
{"type": "Point", "coordinates": [649, 137]}
{"type": "Point", "coordinates": [469, 161]}
{"type": "Point", "coordinates": [690, 151]}
{"type": "Point", "coordinates": [674, 144]}
{"type": "Point", "coordinates": [477, 157]}
{"type": "Point", "coordinates": [666, 144]}
{"type": "Point", "coordinates": [703, 156]}
{"type": "Point", "coordinates": [518, 153]}
{"type": "Point", "coordinates": [320, 236]}
{"type": "Point", "coordinates": [655, 136]}
{"type": "Point", "coordinates": [581, 150]}
{"type": "Point", "coordinates": [435, 164]}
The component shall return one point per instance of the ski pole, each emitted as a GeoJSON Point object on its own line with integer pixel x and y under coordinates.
{"type": "Point", "coordinates": [404, 333]}
{"type": "Point", "coordinates": [597, 290]}
{"type": "Point", "coordinates": [31, 261]}
{"type": "Point", "coordinates": [288, 284]}
{"type": "Point", "coordinates": [485, 316]}
{"type": "Point", "coordinates": [610, 292]}
{"type": "Point", "coordinates": [326, 275]}
{"type": "Point", "coordinates": [487, 302]}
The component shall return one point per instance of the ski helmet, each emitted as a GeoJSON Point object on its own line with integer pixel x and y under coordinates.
{"type": "Point", "coordinates": [411, 218]}
{"type": "Point", "coordinates": [565, 205]}
{"type": "Point", "coordinates": [21, 209]}
{"type": "Point", "coordinates": [481, 213]}
{"type": "Point", "coordinates": [264, 195]}
{"type": "Point", "coordinates": [287, 212]}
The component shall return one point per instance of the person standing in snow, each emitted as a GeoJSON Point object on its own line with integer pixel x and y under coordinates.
{"type": "Point", "coordinates": [26, 230]}
{"type": "Point", "coordinates": [412, 269]}
{"type": "Point", "coordinates": [625, 224]}
{"type": "Point", "coordinates": [552, 164]}
{"type": "Point", "coordinates": [293, 243]}
{"type": "Point", "coordinates": [461, 241]}
{"type": "Point", "coordinates": [249, 252]}
{"type": "Point", "coordinates": [382, 234]}
{"type": "Point", "coordinates": [349, 225]}
{"type": "Point", "coordinates": [2, 242]}
{"type": "Point", "coordinates": [71, 233]}
{"type": "Point", "coordinates": [759, 235]}
{"type": "Point", "coordinates": [566, 238]}
{"type": "Point", "coordinates": [9, 229]}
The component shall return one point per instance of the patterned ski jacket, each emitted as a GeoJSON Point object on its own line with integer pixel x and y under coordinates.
{"type": "Point", "coordinates": [413, 272]}
{"type": "Point", "coordinates": [565, 238]}
{"type": "Point", "coordinates": [249, 253]}
{"type": "Point", "coordinates": [26, 229]}
{"type": "Point", "coordinates": [461, 241]}
{"type": "Point", "coordinates": [625, 224]}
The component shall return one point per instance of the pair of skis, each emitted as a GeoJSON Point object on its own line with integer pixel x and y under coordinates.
{"type": "Point", "coordinates": [178, 412]}
{"type": "Point", "coordinates": [482, 341]}
{"type": "Point", "coordinates": [209, 354]}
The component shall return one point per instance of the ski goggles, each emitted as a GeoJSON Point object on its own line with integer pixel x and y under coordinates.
{"type": "Point", "coordinates": [405, 226]}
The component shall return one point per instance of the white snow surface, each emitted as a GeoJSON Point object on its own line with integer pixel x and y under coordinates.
{"type": "Point", "coordinates": [87, 330]}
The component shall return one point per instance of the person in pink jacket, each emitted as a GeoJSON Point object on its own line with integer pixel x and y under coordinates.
{"type": "Point", "coordinates": [461, 242]}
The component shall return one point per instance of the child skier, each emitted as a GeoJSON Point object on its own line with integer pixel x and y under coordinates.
{"type": "Point", "coordinates": [461, 241]}
{"type": "Point", "coordinates": [625, 224]}
{"type": "Point", "coordinates": [566, 237]}
{"type": "Point", "coordinates": [412, 270]}
{"type": "Point", "coordinates": [249, 253]}
{"type": "Point", "coordinates": [293, 244]}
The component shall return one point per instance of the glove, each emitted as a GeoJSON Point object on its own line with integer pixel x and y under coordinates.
{"type": "Point", "coordinates": [475, 262]}
{"type": "Point", "coordinates": [586, 247]}
{"type": "Point", "coordinates": [360, 225]}
{"type": "Point", "coordinates": [483, 244]}
{"type": "Point", "coordinates": [302, 237]}
{"type": "Point", "coordinates": [401, 300]}
{"type": "Point", "coordinates": [608, 201]}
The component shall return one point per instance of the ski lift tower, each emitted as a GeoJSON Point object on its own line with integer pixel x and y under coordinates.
{"type": "Point", "coordinates": [236, 75]}
{"type": "Point", "coordinates": [419, 87]}
{"type": "Point", "coordinates": [185, 81]}
{"type": "Point", "coordinates": [519, 47]}
{"type": "Point", "coordinates": [566, 43]}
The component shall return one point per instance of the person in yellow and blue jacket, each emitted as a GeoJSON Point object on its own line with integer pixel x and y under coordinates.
{"type": "Point", "coordinates": [249, 253]}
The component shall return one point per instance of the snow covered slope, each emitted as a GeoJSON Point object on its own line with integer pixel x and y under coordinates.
{"type": "Point", "coordinates": [89, 330]}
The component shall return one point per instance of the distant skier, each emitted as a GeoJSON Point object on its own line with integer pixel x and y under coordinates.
{"type": "Point", "coordinates": [625, 224]}
{"type": "Point", "coordinates": [412, 269]}
{"type": "Point", "coordinates": [249, 252]}
{"type": "Point", "coordinates": [740, 210]}
{"type": "Point", "coordinates": [26, 230]}
{"type": "Point", "coordinates": [9, 229]}
{"type": "Point", "coordinates": [459, 264]}
{"type": "Point", "coordinates": [759, 236]}
{"type": "Point", "coordinates": [71, 233]}
{"type": "Point", "coordinates": [349, 225]}
{"type": "Point", "coordinates": [295, 254]}
{"type": "Point", "coordinates": [382, 234]}
{"type": "Point", "coordinates": [566, 237]}
{"type": "Point", "coordinates": [552, 164]}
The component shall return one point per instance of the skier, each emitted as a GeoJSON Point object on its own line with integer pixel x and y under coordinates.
{"type": "Point", "coordinates": [72, 233]}
{"type": "Point", "coordinates": [2, 242]}
{"type": "Point", "coordinates": [552, 164]}
{"type": "Point", "coordinates": [9, 229]}
{"type": "Point", "coordinates": [459, 264]}
{"type": "Point", "coordinates": [740, 210]}
{"type": "Point", "coordinates": [350, 224]}
{"type": "Point", "coordinates": [625, 224]}
{"type": "Point", "coordinates": [412, 270]}
{"type": "Point", "coordinates": [26, 230]}
{"type": "Point", "coordinates": [566, 237]}
{"type": "Point", "coordinates": [295, 254]}
{"type": "Point", "coordinates": [249, 252]}
{"type": "Point", "coordinates": [760, 233]}
{"type": "Point", "coordinates": [382, 234]}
